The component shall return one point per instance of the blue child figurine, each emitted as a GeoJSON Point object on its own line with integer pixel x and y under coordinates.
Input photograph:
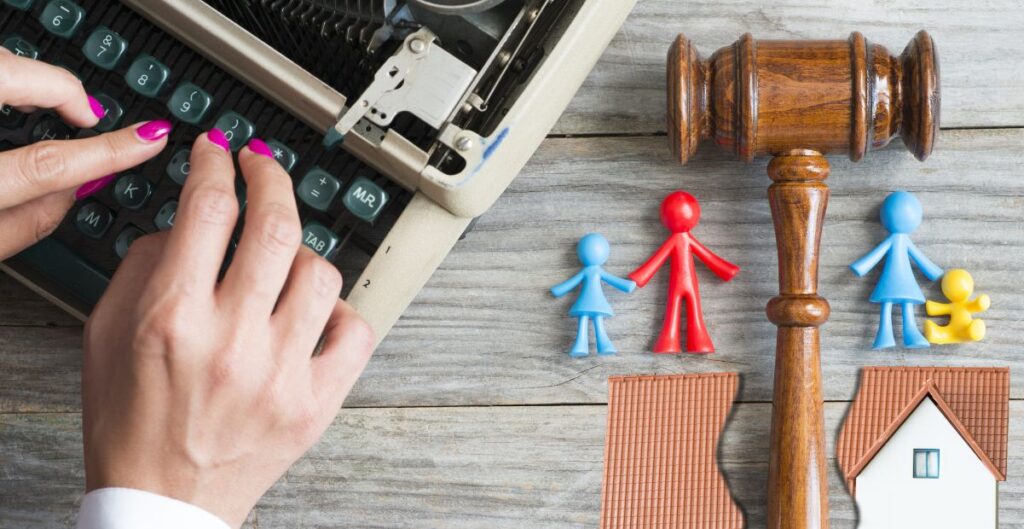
{"type": "Point", "coordinates": [901, 215]}
{"type": "Point", "coordinates": [593, 252]}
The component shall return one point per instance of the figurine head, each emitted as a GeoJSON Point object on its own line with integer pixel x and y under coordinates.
{"type": "Point", "coordinates": [901, 212]}
{"type": "Point", "coordinates": [957, 285]}
{"type": "Point", "coordinates": [680, 212]}
{"type": "Point", "coordinates": [593, 249]}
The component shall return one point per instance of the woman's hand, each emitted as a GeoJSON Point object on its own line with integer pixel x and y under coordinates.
{"type": "Point", "coordinates": [39, 183]}
{"type": "Point", "coordinates": [207, 391]}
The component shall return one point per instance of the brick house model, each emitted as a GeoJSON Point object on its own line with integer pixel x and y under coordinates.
{"type": "Point", "coordinates": [926, 447]}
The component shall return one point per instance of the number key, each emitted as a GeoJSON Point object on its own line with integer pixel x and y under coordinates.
{"type": "Point", "coordinates": [147, 75]}
{"type": "Point", "coordinates": [236, 129]}
{"type": "Point", "coordinates": [62, 18]}
{"type": "Point", "coordinates": [320, 239]}
{"type": "Point", "coordinates": [190, 103]}
{"type": "Point", "coordinates": [104, 48]}
{"type": "Point", "coordinates": [23, 5]}
{"type": "Point", "coordinates": [21, 47]}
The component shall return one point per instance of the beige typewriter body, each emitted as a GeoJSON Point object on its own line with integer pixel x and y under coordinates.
{"type": "Point", "coordinates": [444, 204]}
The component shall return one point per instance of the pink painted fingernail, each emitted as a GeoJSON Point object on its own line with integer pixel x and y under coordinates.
{"type": "Point", "coordinates": [257, 146]}
{"type": "Point", "coordinates": [218, 138]}
{"type": "Point", "coordinates": [89, 189]}
{"type": "Point", "coordinates": [154, 130]}
{"type": "Point", "coordinates": [97, 107]}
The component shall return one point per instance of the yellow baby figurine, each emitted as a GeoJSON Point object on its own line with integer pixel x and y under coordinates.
{"type": "Point", "coordinates": [957, 285]}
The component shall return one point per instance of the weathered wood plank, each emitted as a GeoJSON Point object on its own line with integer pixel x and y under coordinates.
{"type": "Point", "coordinates": [979, 47]}
{"type": "Point", "coordinates": [21, 306]}
{"type": "Point", "coordinates": [439, 467]}
{"type": "Point", "coordinates": [486, 331]}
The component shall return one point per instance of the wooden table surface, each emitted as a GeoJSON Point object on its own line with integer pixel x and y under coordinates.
{"type": "Point", "coordinates": [471, 415]}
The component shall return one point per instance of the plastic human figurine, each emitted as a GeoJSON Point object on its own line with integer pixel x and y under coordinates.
{"type": "Point", "coordinates": [957, 286]}
{"type": "Point", "coordinates": [591, 305]}
{"type": "Point", "coordinates": [901, 215]}
{"type": "Point", "coordinates": [680, 213]}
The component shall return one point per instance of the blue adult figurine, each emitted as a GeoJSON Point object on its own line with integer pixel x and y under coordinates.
{"type": "Point", "coordinates": [901, 215]}
{"type": "Point", "coordinates": [591, 305]}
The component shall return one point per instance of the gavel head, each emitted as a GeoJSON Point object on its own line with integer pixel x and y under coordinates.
{"type": "Point", "coordinates": [770, 97]}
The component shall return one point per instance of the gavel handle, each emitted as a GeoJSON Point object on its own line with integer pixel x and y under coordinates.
{"type": "Point", "coordinates": [797, 476]}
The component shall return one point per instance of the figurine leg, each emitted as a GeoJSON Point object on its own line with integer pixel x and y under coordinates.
{"type": "Point", "coordinates": [668, 340]}
{"type": "Point", "coordinates": [582, 345]}
{"type": "Point", "coordinates": [935, 333]}
{"type": "Point", "coordinates": [604, 344]}
{"type": "Point", "coordinates": [911, 334]}
{"type": "Point", "coordinates": [976, 330]}
{"type": "Point", "coordinates": [697, 338]}
{"type": "Point", "coordinates": [884, 338]}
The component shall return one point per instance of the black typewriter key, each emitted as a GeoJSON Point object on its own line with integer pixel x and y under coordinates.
{"type": "Point", "coordinates": [132, 191]}
{"type": "Point", "coordinates": [365, 199]}
{"type": "Point", "coordinates": [318, 189]}
{"type": "Point", "coordinates": [21, 47]}
{"type": "Point", "coordinates": [62, 18]}
{"type": "Point", "coordinates": [105, 48]}
{"type": "Point", "coordinates": [164, 219]}
{"type": "Point", "coordinates": [283, 154]}
{"type": "Point", "coordinates": [147, 75]}
{"type": "Point", "coordinates": [179, 166]}
{"type": "Point", "coordinates": [190, 103]}
{"type": "Point", "coordinates": [93, 219]}
{"type": "Point", "coordinates": [114, 114]}
{"type": "Point", "coordinates": [236, 129]}
{"type": "Point", "coordinates": [23, 5]}
{"type": "Point", "coordinates": [10, 118]}
{"type": "Point", "coordinates": [50, 128]}
{"type": "Point", "coordinates": [242, 194]}
{"type": "Point", "coordinates": [125, 239]}
{"type": "Point", "coordinates": [320, 239]}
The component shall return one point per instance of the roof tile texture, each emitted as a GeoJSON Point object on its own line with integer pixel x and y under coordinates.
{"type": "Point", "coordinates": [978, 397]}
{"type": "Point", "coordinates": [660, 468]}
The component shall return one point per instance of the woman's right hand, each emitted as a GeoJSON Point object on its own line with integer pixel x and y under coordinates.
{"type": "Point", "coordinates": [203, 389]}
{"type": "Point", "coordinates": [39, 183]}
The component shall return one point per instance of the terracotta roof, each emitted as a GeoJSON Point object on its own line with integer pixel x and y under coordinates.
{"type": "Point", "coordinates": [975, 400]}
{"type": "Point", "coordinates": [660, 468]}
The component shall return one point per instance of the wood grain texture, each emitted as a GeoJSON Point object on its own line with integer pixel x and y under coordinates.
{"type": "Point", "coordinates": [457, 468]}
{"type": "Point", "coordinates": [977, 42]}
{"type": "Point", "coordinates": [486, 331]}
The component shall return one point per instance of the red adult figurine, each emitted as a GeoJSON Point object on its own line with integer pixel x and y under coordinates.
{"type": "Point", "coordinates": [680, 213]}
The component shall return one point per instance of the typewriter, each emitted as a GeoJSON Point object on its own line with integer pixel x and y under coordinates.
{"type": "Point", "coordinates": [400, 121]}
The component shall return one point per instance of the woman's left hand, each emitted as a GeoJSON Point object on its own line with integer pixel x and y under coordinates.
{"type": "Point", "coordinates": [39, 183]}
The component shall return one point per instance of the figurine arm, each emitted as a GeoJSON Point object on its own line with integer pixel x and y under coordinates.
{"type": "Point", "coordinates": [928, 268]}
{"type": "Point", "coordinates": [721, 268]}
{"type": "Point", "coordinates": [563, 288]}
{"type": "Point", "coordinates": [979, 304]}
{"type": "Point", "coordinates": [620, 283]}
{"type": "Point", "coordinates": [934, 308]}
{"type": "Point", "coordinates": [646, 271]}
{"type": "Point", "coordinates": [865, 264]}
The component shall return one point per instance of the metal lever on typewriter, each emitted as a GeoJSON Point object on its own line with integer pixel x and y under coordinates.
{"type": "Point", "coordinates": [421, 78]}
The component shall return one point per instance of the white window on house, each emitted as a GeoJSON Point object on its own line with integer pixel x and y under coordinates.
{"type": "Point", "coordinates": [926, 463]}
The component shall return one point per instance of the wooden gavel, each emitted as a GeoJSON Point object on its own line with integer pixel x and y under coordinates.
{"type": "Point", "coordinates": [798, 101]}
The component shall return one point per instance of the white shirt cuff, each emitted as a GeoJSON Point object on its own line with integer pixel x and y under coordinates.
{"type": "Point", "coordinates": [116, 508]}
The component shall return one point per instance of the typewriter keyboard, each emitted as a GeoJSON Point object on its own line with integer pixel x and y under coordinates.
{"type": "Point", "coordinates": [140, 73]}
